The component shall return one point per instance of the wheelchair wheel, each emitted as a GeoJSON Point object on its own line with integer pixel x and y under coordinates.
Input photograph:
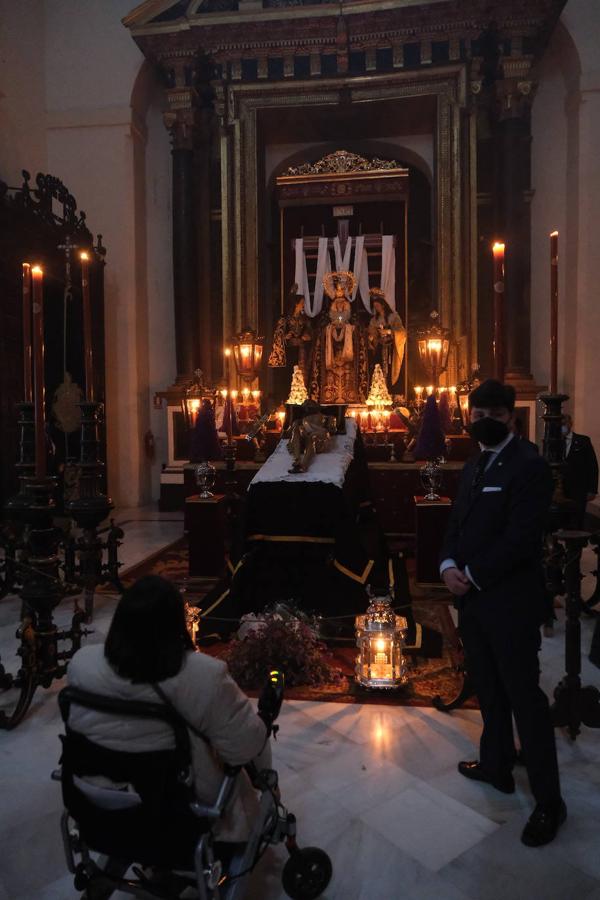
{"type": "Point", "coordinates": [306, 874]}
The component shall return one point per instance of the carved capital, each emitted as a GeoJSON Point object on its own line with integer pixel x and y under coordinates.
{"type": "Point", "coordinates": [181, 124]}
{"type": "Point", "coordinates": [516, 90]}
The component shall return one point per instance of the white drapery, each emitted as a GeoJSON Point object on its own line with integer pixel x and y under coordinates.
{"type": "Point", "coordinates": [342, 263]}
{"type": "Point", "coordinates": [388, 269]}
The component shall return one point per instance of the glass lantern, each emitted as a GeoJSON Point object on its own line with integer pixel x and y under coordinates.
{"type": "Point", "coordinates": [247, 353]}
{"type": "Point", "coordinates": [379, 638]}
{"type": "Point", "coordinates": [434, 345]}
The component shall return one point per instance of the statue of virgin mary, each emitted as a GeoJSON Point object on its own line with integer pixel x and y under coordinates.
{"type": "Point", "coordinates": [340, 359]}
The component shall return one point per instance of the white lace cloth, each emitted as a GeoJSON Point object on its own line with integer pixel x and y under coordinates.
{"type": "Point", "coordinates": [328, 468]}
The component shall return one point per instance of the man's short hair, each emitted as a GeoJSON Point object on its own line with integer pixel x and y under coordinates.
{"type": "Point", "coordinates": [492, 393]}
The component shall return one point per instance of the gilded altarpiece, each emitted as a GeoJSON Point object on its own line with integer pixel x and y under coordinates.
{"type": "Point", "coordinates": [243, 195]}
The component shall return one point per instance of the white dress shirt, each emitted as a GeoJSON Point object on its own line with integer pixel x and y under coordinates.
{"type": "Point", "coordinates": [451, 563]}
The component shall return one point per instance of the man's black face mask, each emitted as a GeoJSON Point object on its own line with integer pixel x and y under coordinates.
{"type": "Point", "coordinates": [488, 431]}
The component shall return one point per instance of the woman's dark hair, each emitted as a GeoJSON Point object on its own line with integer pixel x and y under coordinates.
{"type": "Point", "coordinates": [387, 309]}
{"type": "Point", "coordinates": [148, 638]}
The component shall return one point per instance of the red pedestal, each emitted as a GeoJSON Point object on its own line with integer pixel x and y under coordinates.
{"type": "Point", "coordinates": [431, 519]}
{"type": "Point", "coordinates": [205, 525]}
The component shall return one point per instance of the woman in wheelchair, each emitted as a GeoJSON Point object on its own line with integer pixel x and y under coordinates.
{"type": "Point", "coordinates": [159, 740]}
{"type": "Point", "coordinates": [148, 656]}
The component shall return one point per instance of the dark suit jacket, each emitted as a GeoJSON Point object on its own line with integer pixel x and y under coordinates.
{"type": "Point", "coordinates": [498, 532]}
{"type": "Point", "coordinates": [581, 470]}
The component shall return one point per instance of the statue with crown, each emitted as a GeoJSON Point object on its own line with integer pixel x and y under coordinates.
{"type": "Point", "coordinates": [340, 365]}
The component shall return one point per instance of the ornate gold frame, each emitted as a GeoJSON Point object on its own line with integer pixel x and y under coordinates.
{"type": "Point", "coordinates": [240, 199]}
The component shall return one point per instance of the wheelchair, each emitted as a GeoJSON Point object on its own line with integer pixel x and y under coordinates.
{"type": "Point", "coordinates": [137, 813]}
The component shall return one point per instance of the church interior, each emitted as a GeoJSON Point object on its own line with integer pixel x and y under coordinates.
{"type": "Point", "coordinates": [263, 263]}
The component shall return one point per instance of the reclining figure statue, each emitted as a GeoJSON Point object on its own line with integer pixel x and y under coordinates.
{"type": "Point", "coordinates": [309, 435]}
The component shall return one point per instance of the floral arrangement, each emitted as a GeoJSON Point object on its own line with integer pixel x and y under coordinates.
{"type": "Point", "coordinates": [282, 638]}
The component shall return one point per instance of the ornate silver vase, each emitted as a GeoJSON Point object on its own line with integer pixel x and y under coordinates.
{"type": "Point", "coordinates": [205, 475]}
{"type": "Point", "coordinates": [431, 479]}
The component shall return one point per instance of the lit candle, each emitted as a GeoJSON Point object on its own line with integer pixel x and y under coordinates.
{"type": "Point", "coordinates": [498, 251]}
{"type": "Point", "coordinates": [227, 372]}
{"type": "Point", "coordinates": [234, 395]}
{"type": "Point", "coordinates": [256, 396]}
{"type": "Point", "coordinates": [37, 276]}
{"type": "Point", "coordinates": [245, 395]}
{"type": "Point", "coordinates": [429, 390]}
{"type": "Point", "coordinates": [364, 418]}
{"type": "Point", "coordinates": [554, 312]}
{"type": "Point", "coordinates": [87, 326]}
{"type": "Point", "coordinates": [27, 384]}
{"type": "Point", "coordinates": [223, 393]}
{"type": "Point", "coordinates": [281, 419]}
{"type": "Point", "coordinates": [452, 393]}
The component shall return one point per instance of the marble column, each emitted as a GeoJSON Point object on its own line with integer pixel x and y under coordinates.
{"type": "Point", "coordinates": [181, 127]}
{"type": "Point", "coordinates": [512, 190]}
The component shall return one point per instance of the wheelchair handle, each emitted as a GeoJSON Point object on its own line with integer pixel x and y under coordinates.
{"type": "Point", "coordinates": [271, 698]}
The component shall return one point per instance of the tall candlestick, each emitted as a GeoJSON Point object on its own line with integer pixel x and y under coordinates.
{"type": "Point", "coordinates": [227, 352]}
{"type": "Point", "coordinates": [87, 326]}
{"type": "Point", "coordinates": [27, 384]}
{"type": "Point", "coordinates": [554, 312]}
{"type": "Point", "coordinates": [498, 251]}
{"type": "Point", "coordinates": [37, 276]}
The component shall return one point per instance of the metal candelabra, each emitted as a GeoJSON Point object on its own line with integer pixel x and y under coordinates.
{"type": "Point", "coordinates": [41, 590]}
{"type": "Point", "coordinates": [84, 564]}
{"type": "Point", "coordinates": [32, 564]}
{"type": "Point", "coordinates": [574, 705]}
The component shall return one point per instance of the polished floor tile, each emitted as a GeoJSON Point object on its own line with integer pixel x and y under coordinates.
{"type": "Point", "coordinates": [374, 786]}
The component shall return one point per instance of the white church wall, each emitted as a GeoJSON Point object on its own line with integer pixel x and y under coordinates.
{"type": "Point", "coordinates": [96, 144]}
{"type": "Point", "coordinates": [22, 89]}
{"type": "Point", "coordinates": [582, 19]}
{"type": "Point", "coordinates": [566, 179]}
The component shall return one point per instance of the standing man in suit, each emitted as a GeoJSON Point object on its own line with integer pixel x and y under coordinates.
{"type": "Point", "coordinates": [581, 471]}
{"type": "Point", "coordinates": [492, 562]}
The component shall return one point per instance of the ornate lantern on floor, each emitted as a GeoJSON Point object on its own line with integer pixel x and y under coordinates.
{"type": "Point", "coordinates": [379, 638]}
{"type": "Point", "coordinates": [434, 346]}
{"type": "Point", "coordinates": [247, 353]}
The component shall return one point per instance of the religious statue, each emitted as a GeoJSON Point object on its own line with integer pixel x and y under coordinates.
{"type": "Point", "coordinates": [309, 435]}
{"type": "Point", "coordinates": [293, 333]}
{"type": "Point", "coordinates": [387, 337]}
{"type": "Point", "coordinates": [340, 364]}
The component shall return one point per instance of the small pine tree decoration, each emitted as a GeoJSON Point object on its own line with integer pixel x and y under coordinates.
{"type": "Point", "coordinates": [379, 396]}
{"type": "Point", "coordinates": [298, 392]}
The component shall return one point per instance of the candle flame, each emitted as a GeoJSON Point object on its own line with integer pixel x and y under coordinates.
{"type": "Point", "coordinates": [84, 256]}
{"type": "Point", "coordinates": [498, 247]}
{"type": "Point", "coordinates": [227, 351]}
{"type": "Point", "coordinates": [26, 265]}
{"type": "Point", "coordinates": [37, 271]}
{"type": "Point", "coordinates": [554, 234]}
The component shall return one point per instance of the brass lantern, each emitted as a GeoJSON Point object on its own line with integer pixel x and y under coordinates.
{"type": "Point", "coordinates": [247, 353]}
{"type": "Point", "coordinates": [194, 393]}
{"type": "Point", "coordinates": [379, 638]}
{"type": "Point", "coordinates": [434, 346]}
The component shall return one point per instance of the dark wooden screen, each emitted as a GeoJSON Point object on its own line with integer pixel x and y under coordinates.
{"type": "Point", "coordinates": [35, 220]}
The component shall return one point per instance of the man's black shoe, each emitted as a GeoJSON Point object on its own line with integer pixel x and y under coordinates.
{"type": "Point", "coordinates": [473, 770]}
{"type": "Point", "coordinates": [543, 825]}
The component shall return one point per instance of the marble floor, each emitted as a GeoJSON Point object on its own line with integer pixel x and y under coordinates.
{"type": "Point", "coordinates": [375, 786]}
